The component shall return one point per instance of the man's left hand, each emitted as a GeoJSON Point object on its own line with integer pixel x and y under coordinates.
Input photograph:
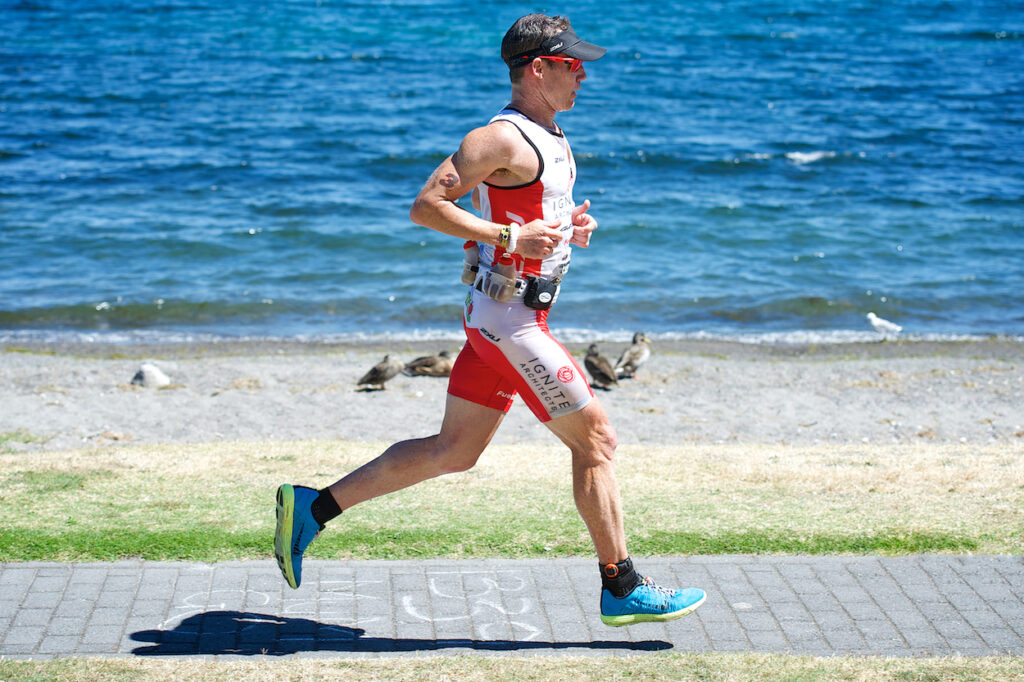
{"type": "Point", "coordinates": [582, 225]}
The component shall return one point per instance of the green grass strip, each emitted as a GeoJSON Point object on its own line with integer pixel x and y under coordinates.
{"type": "Point", "coordinates": [214, 544]}
{"type": "Point", "coordinates": [680, 667]}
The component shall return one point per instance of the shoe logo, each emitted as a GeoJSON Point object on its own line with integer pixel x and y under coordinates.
{"type": "Point", "coordinates": [296, 543]}
{"type": "Point", "coordinates": [648, 602]}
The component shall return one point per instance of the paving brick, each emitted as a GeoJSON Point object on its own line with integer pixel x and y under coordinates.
{"type": "Point", "coordinates": [768, 641]}
{"type": "Point", "coordinates": [116, 583]}
{"type": "Point", "coordinates": [23, 639]}
{"type": "Point", "coordinates": [724, 631]}
{"type": "Point", "coordinates": [996, 592]}
{"type": "Point", "coordinates": [87, 591]}
{"type": "Point", "coordinates": [909, 620]}
{"type": "Point", "coordinates": [983, 619]}
{"type": "Point", "coordinates": [788, 612]}
{"type": "Point", "coordinates": [115, 599]}
{"type": "Point", "coordinates": [48, 584]}
{"type": "Point", "coordinates": [107, 616]}
{"type": "Point", "coordinates": [8, 607]}
{"type": "Point", "coordinates": [1001, 639]}
{"type": "Point", "coordinates": [15, 581]}
{"type": "Point", "coordinates": [31, 617]}
{"type": "Point", "coordinates": [800, 630]}
{"type": "Point", "coordinates": [863, 610]}
{"type": "Point", "coordinates": [846, 642]}
{"type": "Point", "coordinates": [58, 644]}
{"type": "Point", "coordinates": [47, 600]}
{"type": "Point", "coordinates": [921, 638]}
{"type": "Point", "coordinates": [66, 626]}
{"type": "Point", "coordinates": [757, 621]}
{"type": "Point", "coordinates": [73, 608]}
{"type": "Point", "coordinates": [953, 628]}
{"type": "Point", "coordinates": [106, 634]}
{"type": "Point", "coordinates": [731, 645]}
{"type": "Point", "coordinates": [85, 575]}
{"type": "Point", "coordinates": [970, 647]}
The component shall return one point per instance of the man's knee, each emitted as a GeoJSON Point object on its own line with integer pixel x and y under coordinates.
{"type": "Point", "coordinates": [452, 457]}
{"type": "Point", "coordinates": [599, 445]}
{"type": "Point", "coordinates": [608, 439]}
{"type": "Point", "coordinates": [465, 432]}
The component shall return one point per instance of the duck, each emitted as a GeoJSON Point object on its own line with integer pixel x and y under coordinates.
{"type": "Point", "coordinates": [381, 373]}
{"type": "Point", "coordinates": [601, 370]}
{"type": "Point", "coordinates": [633, 357]}
{"type": "Point", "coordinates": [439, 365]}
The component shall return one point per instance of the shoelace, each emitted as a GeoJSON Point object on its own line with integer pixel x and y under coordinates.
{"type": "Point", "coordinates": [656, 588]}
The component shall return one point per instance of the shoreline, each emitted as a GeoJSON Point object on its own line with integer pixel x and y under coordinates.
{"type": "Point", "coordinates": [992, 347]}
{"type": "Point", "coordinates": [61, 396]}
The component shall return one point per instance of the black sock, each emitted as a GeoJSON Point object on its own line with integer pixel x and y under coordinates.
{"type": "Point", "coordinates": [620, 578]}
{"type": "Point", "coordinates": [324, 508]}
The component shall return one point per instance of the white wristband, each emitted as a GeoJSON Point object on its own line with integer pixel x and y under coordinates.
{"type": "Point", "coordinates": [513, 238]}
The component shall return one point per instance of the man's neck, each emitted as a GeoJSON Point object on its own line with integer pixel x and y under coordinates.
{"type": "Point", "coordinates": [536, 110]}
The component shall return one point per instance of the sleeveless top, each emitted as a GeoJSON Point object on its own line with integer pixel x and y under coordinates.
{"type": "Point", "coordinates": [548, 196]}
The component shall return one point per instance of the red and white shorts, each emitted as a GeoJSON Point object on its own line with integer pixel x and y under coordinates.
{"type": "Point", "coordinates": [511, 351]}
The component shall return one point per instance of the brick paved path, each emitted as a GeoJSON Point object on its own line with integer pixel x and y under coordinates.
{"type": "Point", "coordinates": [905, 606]}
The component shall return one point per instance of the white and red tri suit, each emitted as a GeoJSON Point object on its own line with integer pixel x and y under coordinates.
{"type": "Point", "coordinates": [510, 348]}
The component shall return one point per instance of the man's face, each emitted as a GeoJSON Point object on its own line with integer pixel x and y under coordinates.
{"type": "Point", "coordinates": [562, 84]}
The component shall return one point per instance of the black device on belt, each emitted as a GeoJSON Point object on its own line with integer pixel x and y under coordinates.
{"type": "Point", "coordinates": [540, 292]}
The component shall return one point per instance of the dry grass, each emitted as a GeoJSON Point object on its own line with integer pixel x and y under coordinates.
{"type": "Point", "coordinates": [853, 489]}
{"type": "Point", "coordinates": [777, 490]}
{"type": "Point", "coordinates": [470, 668]}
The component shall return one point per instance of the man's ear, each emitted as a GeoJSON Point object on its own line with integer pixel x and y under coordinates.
{"type": "Point", "coordinates": [537, 67]}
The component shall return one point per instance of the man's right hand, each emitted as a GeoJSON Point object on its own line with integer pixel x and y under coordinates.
{"type": "Point", "coordinates": [538, 238]}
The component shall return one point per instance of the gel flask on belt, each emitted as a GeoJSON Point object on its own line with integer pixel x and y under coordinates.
{"type": "Point", "coordinates": [502, 281]}
{"type": "Point", "coordinates": [470, 263]}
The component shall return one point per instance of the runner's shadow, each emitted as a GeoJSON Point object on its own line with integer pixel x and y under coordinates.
{"type": "Point", "coordinates": [257, 634]}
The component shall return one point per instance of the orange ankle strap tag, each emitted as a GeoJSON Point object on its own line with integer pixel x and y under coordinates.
{"type": "Point", "coordinates": [611, 570]}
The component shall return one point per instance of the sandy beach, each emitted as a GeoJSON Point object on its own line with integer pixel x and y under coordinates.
{"type": "Point", "coordinates": [73, 396]}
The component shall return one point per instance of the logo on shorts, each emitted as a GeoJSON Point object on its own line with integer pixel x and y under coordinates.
{"type": "Point", "coordinates": [542, 381]}
{"type": "Point", "coordinates": [565, 375]}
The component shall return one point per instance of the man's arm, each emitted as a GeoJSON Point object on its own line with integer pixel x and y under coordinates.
{"type": "Point", "coordinates": [483, 152]}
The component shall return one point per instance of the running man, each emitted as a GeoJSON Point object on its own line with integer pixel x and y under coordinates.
{"type": "Point", "coordinates": [521, 172]}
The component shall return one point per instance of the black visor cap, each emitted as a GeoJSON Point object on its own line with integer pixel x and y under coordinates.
{"type": "Point", "coordinates": [565, 43]}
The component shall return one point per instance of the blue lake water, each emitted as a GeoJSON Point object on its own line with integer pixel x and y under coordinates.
{"type": "Point", "coordinates": [762, 170]}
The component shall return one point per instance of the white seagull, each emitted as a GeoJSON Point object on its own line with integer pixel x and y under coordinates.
{"type": "Point", "coordinates": [883, 327]}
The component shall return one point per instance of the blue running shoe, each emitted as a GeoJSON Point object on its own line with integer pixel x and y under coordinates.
{"type": "Point", "coordinates": [295, 529]}
{"type": "Point", "coordinates": [648, 602]}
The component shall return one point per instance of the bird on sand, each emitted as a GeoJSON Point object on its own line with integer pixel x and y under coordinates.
{"type": "Point", "coordinates": [882, 326]}
{"type": "Point", "coordinates": [633, 357]}
{"type": "Point", "coordinates": [380, 373]}
{"type": "Point", "coordinates": [601, 370]}
{"type": "Point", "coordinates": [439, 365]}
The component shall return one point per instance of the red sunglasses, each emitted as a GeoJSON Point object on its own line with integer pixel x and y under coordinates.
{"type": "Point", "coordinates": [574, 64]}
